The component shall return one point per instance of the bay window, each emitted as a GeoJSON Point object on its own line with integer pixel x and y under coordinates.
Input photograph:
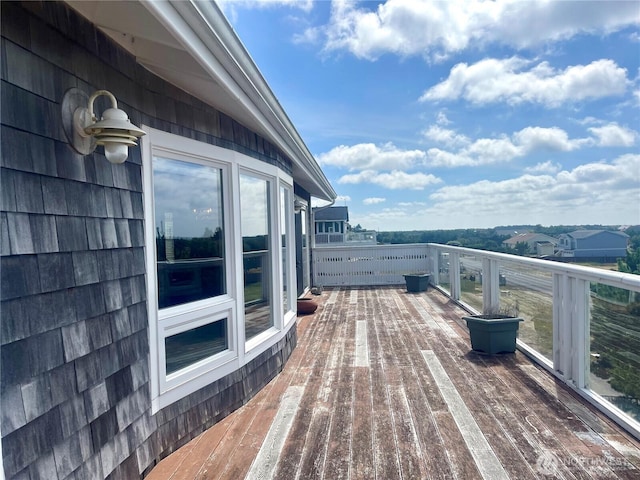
{"type": "Point", "coordinates": [219, 236]}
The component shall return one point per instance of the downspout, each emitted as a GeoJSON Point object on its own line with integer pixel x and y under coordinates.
{"type": "Point", "coordinates": [313, 246]}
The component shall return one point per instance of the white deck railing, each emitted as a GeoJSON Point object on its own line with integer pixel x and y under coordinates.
{"type": "Point", "coordinates": [360, 265]}
{"type": "Point", "coordinates": [581, 323]}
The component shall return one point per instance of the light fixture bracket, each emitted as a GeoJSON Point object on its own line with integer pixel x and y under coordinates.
{"type": "Point", "coordinates": [74, 111]}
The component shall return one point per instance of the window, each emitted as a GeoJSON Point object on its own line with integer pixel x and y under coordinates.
{"type": "Point", "coordinates": [191, 346]}
{"type": "Point", "coordinates": [256, 253]}
{"type": "Point", "coordinates": [306, 278]}
{"type": "Point", "coordinates": [219, 268]}
{"type": "Point", "coordinates": [190, 258]}
{"type": "Point", "coordinates": [189, 231]}
{"type": "Point", "coordinates": [285, 235]}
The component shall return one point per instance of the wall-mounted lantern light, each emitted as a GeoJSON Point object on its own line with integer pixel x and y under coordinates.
{"type": "Point", "coordinates": [84, 131]}
{"type": "Point", "coordinates": [298, 206]}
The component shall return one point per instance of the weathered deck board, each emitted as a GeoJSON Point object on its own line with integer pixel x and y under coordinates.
{"type": "Point", "coordinates": [383, 415]}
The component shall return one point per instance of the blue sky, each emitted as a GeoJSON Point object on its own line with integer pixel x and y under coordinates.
{"type": "Point", "coordinates": [442, 115]}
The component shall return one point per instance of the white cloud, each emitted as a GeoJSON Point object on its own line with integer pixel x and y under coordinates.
{"type": "Point", "coordinates": [343, 198]}
{"type": "Point", "coordinates": [591, 193]}
{"type": "Point", "coordinates": [394, 180]}
{"type": "Point", "coordinates": [442, 119]}
{"type": "Point", "coordinates": [613, 135]}
{"type": "Point", "coordinates": [555, 139]}
{"type": "Point", "coordinates": [445, 136]}
{"type": "Point", "coordinates": [545, 167]}
{"type": "Point", "coordinates": [486, 151]}
{"type": "Point", "coordinates": [305, 5]}
{"type": "Point", "coordinates": [373, 200]}
{"type": "Point", "coordinates": [438, 29]}
{"type": "Point", "coordinates": [370, 156]}
{"type": "Point", "coordinates": [514, 81]}
{"type": "Point", "coordinates": [601, 193]}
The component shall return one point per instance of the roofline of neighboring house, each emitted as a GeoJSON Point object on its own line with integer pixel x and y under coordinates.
{"type": "Point", "coordinates": [590, 233]}
{"type": "Point", "coordinates": [529, 237]}
{"type": "Point", "coordinates": [208, 60]}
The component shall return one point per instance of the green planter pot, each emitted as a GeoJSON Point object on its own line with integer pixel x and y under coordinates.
{"type": "Point", "coordinates": [493, 333]}
{"type": "Point", "coordinates": [417, 282]}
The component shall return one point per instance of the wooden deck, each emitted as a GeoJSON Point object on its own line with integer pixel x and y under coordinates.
{"type": "Point", "coordinates": [383, 385]}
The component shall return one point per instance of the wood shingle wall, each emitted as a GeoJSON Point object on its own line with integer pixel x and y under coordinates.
{"type": "Point", "coordinates": [74, 385]}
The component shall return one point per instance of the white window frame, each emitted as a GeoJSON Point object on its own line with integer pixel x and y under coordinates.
{"type": "Point", "coordinates": [253, 344]}
{"type": "Point", "coordinates": [179, 318]}
{"type": "Point", "coordinates": [290, 315]}
{"type": "Point", "coordinates": [305, 216]}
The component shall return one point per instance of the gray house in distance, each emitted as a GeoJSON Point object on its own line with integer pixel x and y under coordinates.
{"type": "Point", "coordinates": [143, 298]}
{"type": "Point", "coordinates": [595, 244]}
{"type": "Point", "coordinates": [331, 224]}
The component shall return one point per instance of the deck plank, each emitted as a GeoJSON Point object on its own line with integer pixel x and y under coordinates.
{"type": "Point", "coordinates": [383, 414]}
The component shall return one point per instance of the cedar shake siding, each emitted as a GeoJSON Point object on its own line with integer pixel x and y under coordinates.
{"type": "Point", "coordinates": [75, 367]}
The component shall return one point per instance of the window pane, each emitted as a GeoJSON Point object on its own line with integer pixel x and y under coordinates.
{"type": "Point", "coordinates": [284, 224]}
{"type": "Point", "coordinates": [187, 348]}
{"type": "Point", "coordinates": [615, 346]}
{"type": "Point", "coordinates": [256, 240]}
{"type": "Point", "coordinates": [189, 231]}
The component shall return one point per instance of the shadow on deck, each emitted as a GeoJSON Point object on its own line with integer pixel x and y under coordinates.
{"type": "Point", "coordinates": [383, 385]}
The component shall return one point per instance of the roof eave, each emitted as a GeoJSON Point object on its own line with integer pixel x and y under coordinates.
{"type": "Point", "coordinates": [191, 45]}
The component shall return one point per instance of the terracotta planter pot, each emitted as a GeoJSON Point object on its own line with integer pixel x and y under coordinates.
{"type": "Point", "coordinates": [306, 306]}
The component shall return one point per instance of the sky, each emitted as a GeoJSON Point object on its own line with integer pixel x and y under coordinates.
{"type": "Point", "coordinates": [432, 115]}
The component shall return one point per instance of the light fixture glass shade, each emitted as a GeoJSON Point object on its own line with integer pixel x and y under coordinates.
{"type": "Point", "coordinates": [116, 152]}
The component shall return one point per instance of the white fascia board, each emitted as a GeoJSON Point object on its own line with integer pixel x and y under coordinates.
{"type": "Point", "coordinates": [205, 33]}
{"type": "Point", "coordinates": [259, 89]}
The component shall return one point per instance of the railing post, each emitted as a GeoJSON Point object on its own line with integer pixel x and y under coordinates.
{"type": "Point", "coordinates": [571, 328]}
{"type": "Point", "coordinates": [454, 275]}
{"type": "Point", "coordinates": [434, 265]}
{"type": "Point", "coordinates": [490, 286]}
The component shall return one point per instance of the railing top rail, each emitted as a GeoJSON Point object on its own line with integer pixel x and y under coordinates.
{"type": "Point", "coordinates": [350, 246]}
{"type": "Point", "coordinates": [618, 279]}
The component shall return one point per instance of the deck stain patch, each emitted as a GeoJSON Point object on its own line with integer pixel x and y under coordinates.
{"type": "Point", "coordinates": [362, 349]}
{"type": "Point", "coordinates": [264, 465]}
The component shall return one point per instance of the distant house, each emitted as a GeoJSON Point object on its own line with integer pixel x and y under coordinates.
{"type": "Point", "coordinates": [331, 224]}
{"type": "Point", "coordinates": [538, 243]}
{"type": "Point", "coordinates": [332, 228]}
{"type": "Point", "coordinates": [142, 301]}
{"type": "Point", "coordinates": [596, 244]}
